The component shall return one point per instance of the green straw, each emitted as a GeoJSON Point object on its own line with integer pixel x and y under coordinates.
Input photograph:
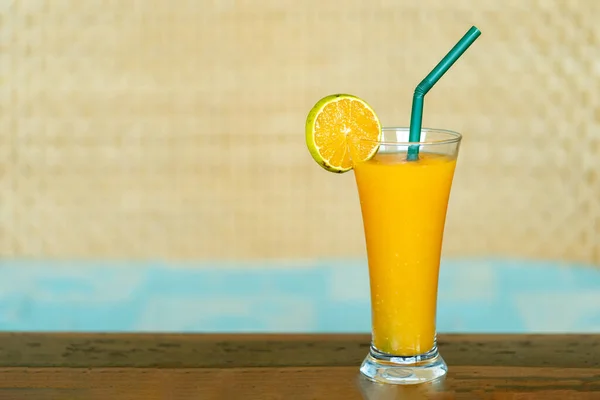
{"type": "Point", "coordinates": [416, 116]}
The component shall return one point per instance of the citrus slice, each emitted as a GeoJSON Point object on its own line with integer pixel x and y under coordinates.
{"type": "Point", "coordinates": [334, 128]}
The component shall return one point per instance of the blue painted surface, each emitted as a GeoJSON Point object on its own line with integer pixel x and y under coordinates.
{"type": "Point", "coordinates": [324, 296]}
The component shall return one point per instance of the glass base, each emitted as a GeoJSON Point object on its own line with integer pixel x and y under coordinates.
{"type": "Point", "coordinates": [400, 370]}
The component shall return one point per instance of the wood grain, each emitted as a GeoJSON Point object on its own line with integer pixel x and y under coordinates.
{"type": "Point", "coordinates": [227, 351]}
{"type": "Point", "coordinates": [290, 383]}
{"type": "Point", "coordinates": [151, 366]}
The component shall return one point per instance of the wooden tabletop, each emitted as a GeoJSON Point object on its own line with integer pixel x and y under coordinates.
{"type": "Point", "coordinates": [145, 366]}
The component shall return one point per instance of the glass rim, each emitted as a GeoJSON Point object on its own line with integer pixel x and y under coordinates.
{"type": "Point", "coordinates": [454, 137]}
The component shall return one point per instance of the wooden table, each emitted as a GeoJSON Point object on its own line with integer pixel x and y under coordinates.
{"type": "Point", "coordinates": [144, 366]}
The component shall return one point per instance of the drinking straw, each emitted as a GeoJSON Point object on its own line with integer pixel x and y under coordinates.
{"type": "Point", "coordinates": [416, 116]}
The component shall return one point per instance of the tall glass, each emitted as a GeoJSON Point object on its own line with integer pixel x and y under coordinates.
{"type": "Point", "coordinates": [403, 206]}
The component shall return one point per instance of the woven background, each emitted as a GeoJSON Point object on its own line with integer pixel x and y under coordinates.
{"type": "Point", "coordinates": [174, 130]}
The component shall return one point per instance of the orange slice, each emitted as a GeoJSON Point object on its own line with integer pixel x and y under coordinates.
{"type": "Point", "coordinates": [334, 129]}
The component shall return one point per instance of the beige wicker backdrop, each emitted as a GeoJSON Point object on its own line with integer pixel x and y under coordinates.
{"type": "Point", "coordinates": [159, 129]}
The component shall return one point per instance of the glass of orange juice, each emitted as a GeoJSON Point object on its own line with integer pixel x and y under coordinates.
{"type": "Point", "coordinates": [403, 206]}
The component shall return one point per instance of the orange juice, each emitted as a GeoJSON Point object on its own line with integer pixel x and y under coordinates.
{"type": "Point", "coordinates": [403, 207]}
